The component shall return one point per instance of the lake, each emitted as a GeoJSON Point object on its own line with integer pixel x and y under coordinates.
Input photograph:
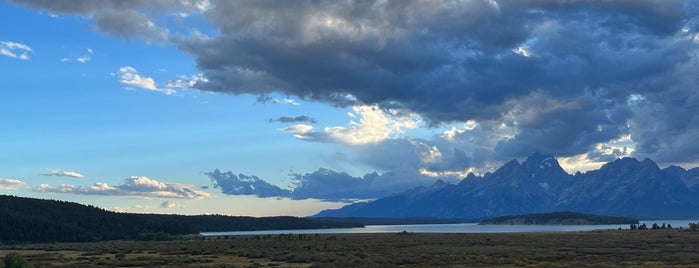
{"type": "Point", "coordinates": [456, 228]}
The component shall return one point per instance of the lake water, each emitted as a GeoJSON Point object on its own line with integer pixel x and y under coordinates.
{"type": "Point", "coordinates": [457, 228]}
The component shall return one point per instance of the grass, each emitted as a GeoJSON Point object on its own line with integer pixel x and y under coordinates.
{"type": "Point", "coordinates": [649, 248]}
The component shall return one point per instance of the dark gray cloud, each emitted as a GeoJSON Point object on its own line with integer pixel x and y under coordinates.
{"type": "Point", "coordinates": [296, 119]}
{"type": "Point", "coordinates": [445, 62]}
{"type": "Point", "coordinates": [124, 19]}
{"type": "Point", "coordinates": [242, 184]}
{"type": "Point", "coordinates": [504, 61]}
{"type": "Point", "coordinates": [562, 127]}
{"type": "Point", "coordinates": [129, 24]}
{"type": "Point", "coordinates": [331, 185]}
{"type": "Point", "coordinates": [563, 76]}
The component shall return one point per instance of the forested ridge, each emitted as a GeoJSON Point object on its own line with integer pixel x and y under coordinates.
{"type": "Point", "coordinates": [559, 218]}
{"type": "Point", "coordinates": [38, 220]}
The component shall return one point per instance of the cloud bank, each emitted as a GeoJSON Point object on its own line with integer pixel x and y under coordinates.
{"type": "Point", "coordinates": [133, 186]}
{"type": "Point", "coordinates": [59, 173]}
{"type": "Point", "coordinates": [11, 184]}
{"type": "Point", "coordinates": [241, 184]}
{"type": "Point", "coordinates": [323, 184]}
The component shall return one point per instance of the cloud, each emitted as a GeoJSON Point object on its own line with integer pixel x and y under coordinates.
{"type": "Point", "coordinates": [375, 125]}
{"type": "Point", "coordinates": [185, 82]}
{"type": "Point", "coordinates": [416, 55]}
{"type": "Point", "coordinates": [132, 186]}
{"type": "Point", "coordinates": [82, 59]}
{"type": "Point", "coordinates": [168, 204]}
{"type": "Point", "coordinates": [286, 101]}
{"type": "Point", "coordinates": [289, 119]}
{"type": "Point", "coordinates": [324, 184]}
{"type": "Point", "coordinates": [141, 207]}
{"type": "Point", "coordinates": [378, 141]}
{"type": "Point", "coordinates": [14, 50]}
{"type": "Point", "coordinates": [124, 20]}
{"type": "Point", "coordinates": [11, 184]}
{"type": "Point", "coordinates": [472, 60]}
{"type": "Point", "coordinates": [116, 209]}
{"type": "Point", "coordinates": [128, 23]}
{"type": "Point", "coordinates": [241, 184]}
{"type": "Point", "coordinates": [549, 76]}
{"type": "Point", "coordinates": [267, 98]}
{"type": "Point", "coordinates": [130, 77]}
{"type": "Point", "coordinates": [59, 173]}
{"type": "Point", "coordinates": [327, 184]}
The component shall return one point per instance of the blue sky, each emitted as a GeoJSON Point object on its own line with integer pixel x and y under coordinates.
{"type": "Point", "coordinates": [66, 115]}
{"type": "Point", "coordinates": [128, 107]}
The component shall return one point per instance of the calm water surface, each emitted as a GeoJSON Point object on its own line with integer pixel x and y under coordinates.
{"type": "Point", "coordinates": [457, 228]}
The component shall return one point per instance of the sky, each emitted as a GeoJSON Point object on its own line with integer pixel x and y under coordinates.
{"type": "Point", "coordinates": [290, 107]}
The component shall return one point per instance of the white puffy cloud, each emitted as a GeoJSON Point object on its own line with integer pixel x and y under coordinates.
{"type": "Point", "coordinates": [185, 82]}
{"type": "Point", "coordinates": [116, 209]}
{"type": "Point", "coordinates": [141, 207]}
{"type": "Point", "coordinates": [303, 132]}
{"type": "Point", "coordinates": [375, 125]}
{"type": "Point", "coordinates": [143, 183]}
{"type": "Point", "coordinates": [452, 133]}
{"type": "Point", "coordinates": [130, 77]}
{"type": "Point", "coordinates": [11, 184]}
{"type": "Point", "coordinates": [60, 173]}
{"type": "Point", "coordinates": [603, 153]}
{"type": "Point", "coordinates": [168, 204]}
{"type": "Point", "coordinates": [132, 186]}
{"type": "Point", "coordinates": [15, 50]}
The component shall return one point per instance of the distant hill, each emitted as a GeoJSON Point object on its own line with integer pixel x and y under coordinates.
{"type": "Point", "coordinates": [400, 221]}
{"type": "Point", "coordinates": [38, 220]}
{"type": "Point", "coordinates": [559, 218]}
{"type": "Point", "coordinates": [538, 185]}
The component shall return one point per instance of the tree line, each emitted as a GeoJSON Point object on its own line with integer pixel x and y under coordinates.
{"type": "Point", "coordinates": [37, 220]}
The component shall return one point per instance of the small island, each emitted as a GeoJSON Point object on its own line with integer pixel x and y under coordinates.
{"type": "Point", "coordinates": [558, 218]}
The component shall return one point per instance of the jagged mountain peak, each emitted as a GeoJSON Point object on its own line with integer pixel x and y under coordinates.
{"type": "Point", "coordinates": [540, 158]}
{"type": "Point", "coordinates": [675, 169]}
{"type": "Point", "coordinates": [650, 163]}
{"type": "Point", "coordinates": [439, 184]}
{"type": "Point", "coordinates": [691, 177]}
{"type": "Point", "coordinates": [624, 186]}
{"type": "Point", "coordinates": [507, 168]}
{"type": "Point", "coordinates": [630, 164]}
{"type": "Point", "coordinates": [541, 162]}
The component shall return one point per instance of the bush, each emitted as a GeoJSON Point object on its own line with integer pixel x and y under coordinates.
{"type": "Point", "coordinates": [14, 260]}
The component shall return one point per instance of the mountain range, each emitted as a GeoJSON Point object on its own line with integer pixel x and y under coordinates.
{"type": "Point", "coordinates": [625, 186]}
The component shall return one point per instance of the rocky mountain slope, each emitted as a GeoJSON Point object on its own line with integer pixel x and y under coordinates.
{"type": "Point", "coordinates": [539, 184]}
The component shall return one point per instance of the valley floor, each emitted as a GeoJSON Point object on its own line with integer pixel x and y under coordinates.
{"type": "Point", "coordinates": [642, 248]}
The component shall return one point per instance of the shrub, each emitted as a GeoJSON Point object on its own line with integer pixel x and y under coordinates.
{"type": "Point", "coordinates": [14, 260]}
